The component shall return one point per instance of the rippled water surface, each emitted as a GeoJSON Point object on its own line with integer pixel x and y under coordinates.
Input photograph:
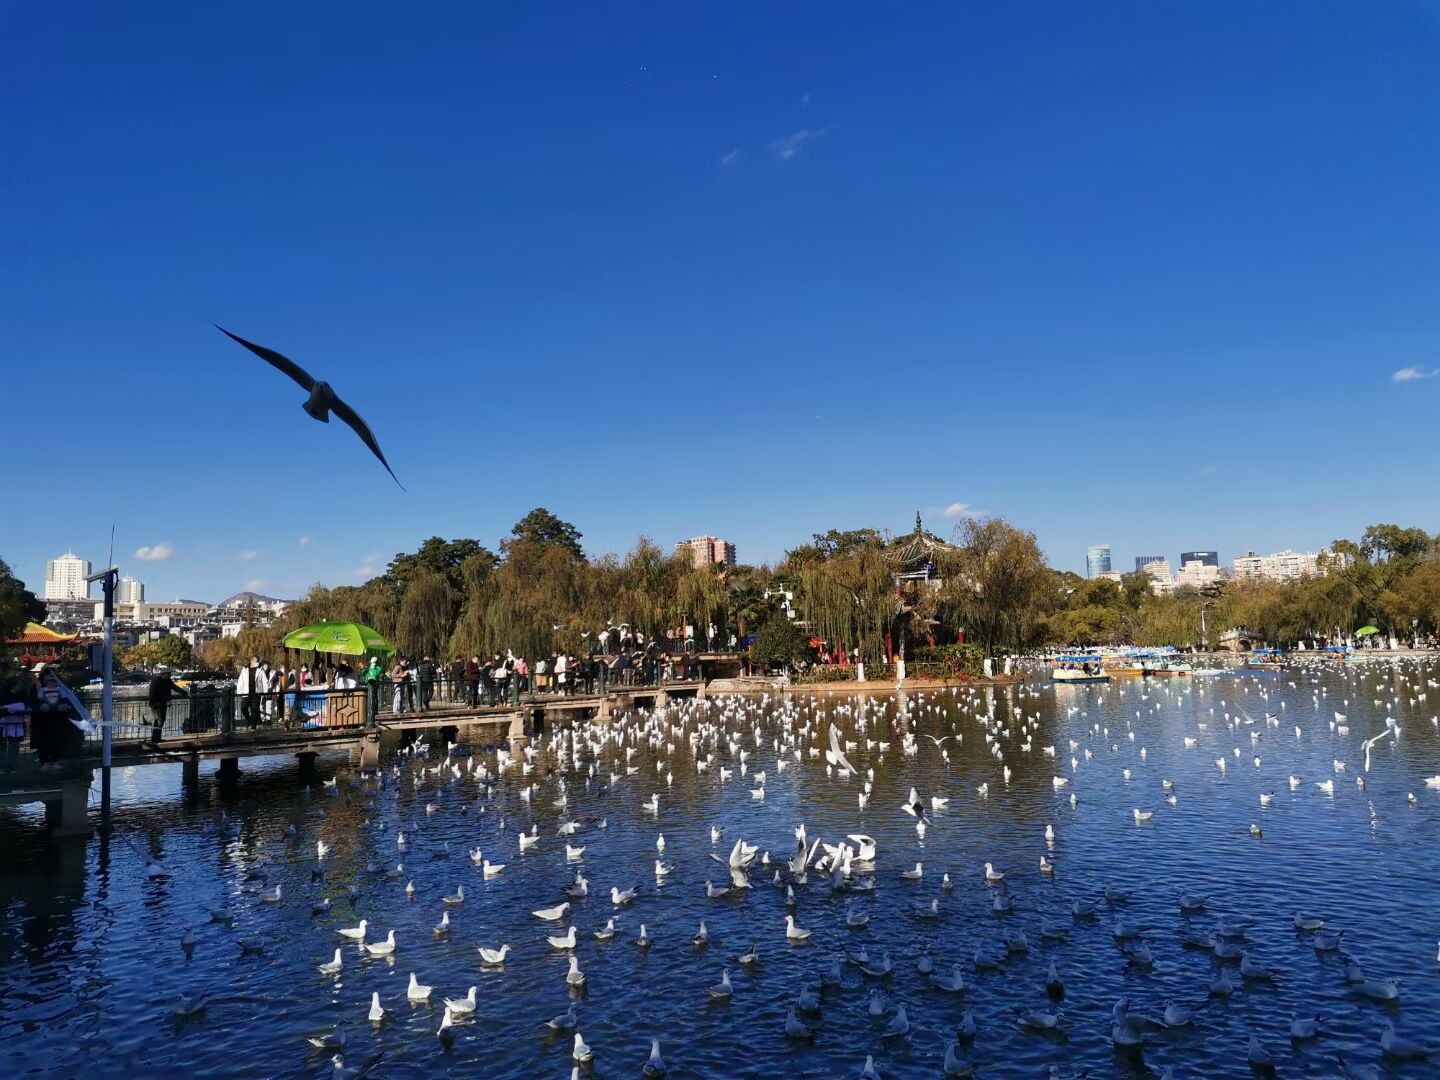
{"type": "Point", "coordinates": [91, 959]}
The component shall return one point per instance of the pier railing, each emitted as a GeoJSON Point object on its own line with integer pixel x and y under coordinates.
{"type": "Point", "coordinates": [224, 712]}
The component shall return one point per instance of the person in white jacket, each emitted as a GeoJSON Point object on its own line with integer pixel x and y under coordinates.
{"type": "Point", "coordinates": [248, 689]}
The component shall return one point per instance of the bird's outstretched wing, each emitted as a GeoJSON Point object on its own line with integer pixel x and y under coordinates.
{"type": "Point", "coordinates": [276, 360]}
{"type": "Point", "coordinates": [357, 423]}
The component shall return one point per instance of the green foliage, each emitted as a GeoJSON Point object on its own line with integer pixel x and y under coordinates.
{"type": "Point", "coordinates": [261, 641]}
{"type": "Point", "coordinates": [1382, 542]}
{"type": "Point", "coordinates": [171, 651]}
{"type": "Point", "coordinates": [541, 594]}
{"type": "Point", "coordinates": [437, 556]}
{"type": "Point", "coordinates": [844, 591]}
{"type": "Point", "coordinates": [965, 659]}
{"type": "Point", "coordinates": [18, 605]}
{"type": "Point", "coordinates": [426, 615]}
{"type": "Point", "coordinates": [544, 529]}
{"type": "Point", "coordinates": [997, 586]}
{"type": "Point", "coordinates": [829, 673]}
{"type": "Point", "coordinates": [779, 643]}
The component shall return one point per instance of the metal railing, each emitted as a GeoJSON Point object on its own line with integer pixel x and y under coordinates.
{"type": "Point", "coordinates": [224, 712]}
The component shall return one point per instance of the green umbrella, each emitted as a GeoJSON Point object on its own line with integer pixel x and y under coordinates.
{"type": "Point", "coordinates": [1366, 631]}
{"type": "Point", "coordinates": [345, 638]}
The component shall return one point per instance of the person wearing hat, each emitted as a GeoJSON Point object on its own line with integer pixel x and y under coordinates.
{"type": "Point", "coordinates": [374, 676]}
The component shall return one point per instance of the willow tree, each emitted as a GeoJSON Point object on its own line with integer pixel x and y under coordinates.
{"type": "Point", "coordinates": [996, 585]}
{"type": "Point", "coordinates": [427, 614]}
{"type": "Point", "coordinates": [645, 589]}
{"type": "Point", "coordinates": [700, 595]}
{"type": "Point", "coordinates": [844, 592]}
{"type": "Point", "coordinates": [468, 636]}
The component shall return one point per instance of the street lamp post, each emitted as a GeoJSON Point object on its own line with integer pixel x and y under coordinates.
{"type": "Point", "coordinates": [107, 578]}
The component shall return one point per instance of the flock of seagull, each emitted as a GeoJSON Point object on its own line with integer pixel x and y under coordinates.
{"type": "Point", "coordinates": [868, 977]}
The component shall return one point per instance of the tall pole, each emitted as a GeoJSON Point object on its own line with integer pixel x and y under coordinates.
{"type": "Point", "coordinates": [107, 579]}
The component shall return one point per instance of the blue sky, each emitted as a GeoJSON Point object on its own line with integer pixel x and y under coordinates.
{"type": "Point", "coordinates": [1133, 273]}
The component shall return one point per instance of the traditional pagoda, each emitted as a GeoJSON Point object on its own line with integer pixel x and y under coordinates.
{"type": "Point", "coordinates": [38, 644]}
{"type": "Point", "coordinates": [912, 559]}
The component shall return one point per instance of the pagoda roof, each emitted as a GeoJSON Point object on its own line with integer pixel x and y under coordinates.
{"type": "Point", "coordinates": [36, 634]}
{"type": "Point", "coordinates": [915, 551]}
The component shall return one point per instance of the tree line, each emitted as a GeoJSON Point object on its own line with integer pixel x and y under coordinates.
{"type": "Point", "coordinates": [988, 584]}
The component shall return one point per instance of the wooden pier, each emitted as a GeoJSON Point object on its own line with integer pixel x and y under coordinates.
{"type": "Point", "coordinates": [65, 790]}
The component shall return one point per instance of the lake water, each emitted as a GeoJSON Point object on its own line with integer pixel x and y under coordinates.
{"type": "Point", "coordinates": [91, 957]}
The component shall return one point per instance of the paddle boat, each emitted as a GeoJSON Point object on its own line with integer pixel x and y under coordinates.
{"type": "Point", "coordinates": [1079, 668]}
{"type": "Point", "coordinates": [1265, 660]}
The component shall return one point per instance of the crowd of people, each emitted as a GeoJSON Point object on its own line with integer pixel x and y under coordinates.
{"type": "Point", "coordinates": [34, 704]}
{"type": "Point", "coordinates": [404, 684]}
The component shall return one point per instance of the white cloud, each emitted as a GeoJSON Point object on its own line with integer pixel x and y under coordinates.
{"type": "Point", "coordinates": [804, 101]}
{"type": "Point", "coordinates": [155, 553]}
{"type": "Point", "coordinates": [1206, 470]}
{"type": "Point", "coordinates": [787, 146]}
{"type": "Point", "coordinates": [732, 157]}
{"type": "Point", "coordinates": [255, 585]}
{"type": "Point", "coordinates": [246, 556]}
{"type": "Point", "coordinates": [958, 510]}
{"type": "Point", "coordinates": [304, 541]}
{"type": "Point", "coordinates": [1410, 374]}
{"type": "Point", "coordinates": [368, 568]}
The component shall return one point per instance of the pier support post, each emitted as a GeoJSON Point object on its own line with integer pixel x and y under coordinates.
{"type": "Point", "coordinates": [518, 734]}
{"type": "Point", "coordinates": [370, 752]}
{"type": "Point", "coordinates": [662, 698]}
{"type": "Point", "coordinates": [69, 815]}
{"type": "Point", "coordinates": [229, 770]}
{"type": "Point", "coordinates": [190, 771]}
{"type": "Point", "coordinates": [306, 758]}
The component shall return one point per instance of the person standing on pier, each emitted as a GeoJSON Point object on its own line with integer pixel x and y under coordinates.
{"type": "Point", "coordinates": [398, 676]}
{"type": "Point", "coordinates": [425, 674]}
{"type": "Point", "coordinates": [247, 687]}
{"type": "Point", "coordinates": [17, 696]}
{"type": "Point", "coordinates": [472, 681]}
{"type": "Point", "coordinates": [456, 675]}
{"type": "Point", "coordinates": [374, 676]}
{"type": "Point", "coordinates": [162, 689]}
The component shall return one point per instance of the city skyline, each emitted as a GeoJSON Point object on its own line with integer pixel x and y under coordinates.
{"type": "Point", "coordinates": [716, 550]}
{"type": "Point", "coordinates": [957, 226]}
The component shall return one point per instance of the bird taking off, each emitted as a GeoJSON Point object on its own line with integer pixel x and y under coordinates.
{"type": "Point", "coordinates": [322, 401]}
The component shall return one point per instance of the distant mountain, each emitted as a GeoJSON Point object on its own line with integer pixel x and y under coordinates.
{"type": "Point", "coordinates": [240, 598]}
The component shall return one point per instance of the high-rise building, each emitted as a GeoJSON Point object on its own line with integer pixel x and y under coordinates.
{"type": "Point", "coordinates": [65, 578]}
{"type": "Point", "coordinates": [1285, 565]}
{"type": "Point", "coordinates": [1197, 574]}
{"type": "Point", "coordinates": [1209, 558]}
{"type": "Point", "coordinates": [707, 551]}
{"type": "Point", "coordinates": [1142, 561]}
{"type": "Point", "coordinates": [130, 591]}
{"type": "Point", "coordinates": [1097, 560]}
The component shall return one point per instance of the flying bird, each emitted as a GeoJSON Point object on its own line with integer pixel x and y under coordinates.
{"type": "Point", "coordinates": [322, 401]}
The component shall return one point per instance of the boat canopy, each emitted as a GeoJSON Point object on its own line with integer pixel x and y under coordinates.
{"type": "Point", "coordinates": [1080, 658]}
{"type": "Point", "coordinates": [1265, 652]}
